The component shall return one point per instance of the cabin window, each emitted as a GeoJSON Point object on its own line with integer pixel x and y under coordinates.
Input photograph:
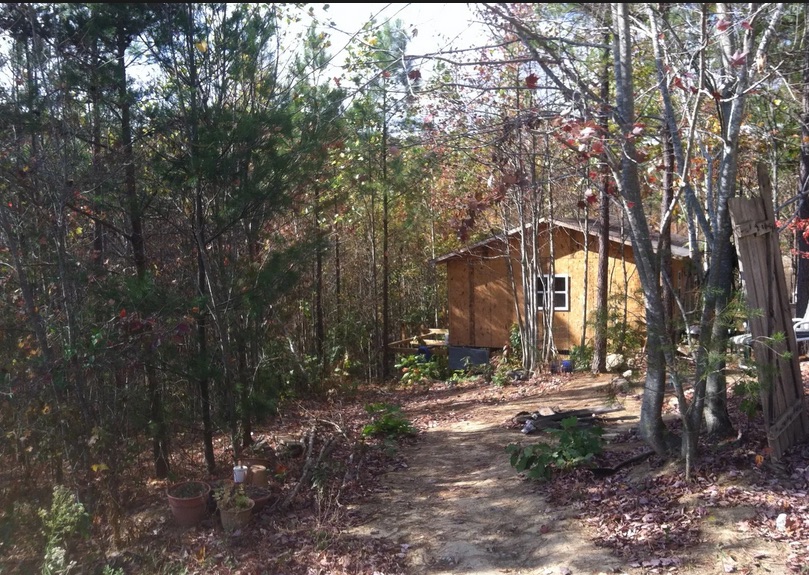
{"type": "Point", "coordinates": [561, 291]}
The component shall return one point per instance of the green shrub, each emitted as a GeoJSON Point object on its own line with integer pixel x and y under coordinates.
{"type": "Point", "coordinates": [582, 357]}
{"type": "Point", "coordinates": [387, 422]}
{"type": "Point", "coordinates": [515, 343]}
{"type": "Point", "coordinates": [749, 390]}
{"type": "Point", "coordinates": [418, 371]}
{"type": "Point", "coordinates": [459, 376]}
{"type": "Point", "coordinates": [65, 519]}
{"type": "Point", "coordinates": [501, 375]}
{"type": "Point", "coordinates": [574, 446]}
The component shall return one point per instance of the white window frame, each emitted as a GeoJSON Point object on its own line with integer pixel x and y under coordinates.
{"type": "Point", "coordinates": [544, 280]}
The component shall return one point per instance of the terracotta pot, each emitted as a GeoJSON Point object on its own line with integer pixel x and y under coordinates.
{"type": "Point", "coordinates": [259, 475]}
{"type": "Point", "coordinates": [261, 495]}
{"type": "Point", "coordinates": [233, 519]}
{"type": "Point", "coordinates": [188, 501]}
{"type": "Point", "coordinates": [250, 461]}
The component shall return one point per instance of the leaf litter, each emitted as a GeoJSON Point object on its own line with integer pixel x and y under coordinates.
{"type": "Point", "coordinates": [447, 501]}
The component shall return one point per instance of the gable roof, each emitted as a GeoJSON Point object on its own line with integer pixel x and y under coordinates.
{"type": "Point", "coordinates": [679, 244]}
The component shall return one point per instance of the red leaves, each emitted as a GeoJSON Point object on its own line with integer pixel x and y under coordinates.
{"type": "Point", "coordinates": [414, 75]}
{"type": "Point", "coordinates": [722, 25]}
{"type": "Point", "coordinates": [531, 81]}
{"type": "Point", "coordinates": [738, 58]}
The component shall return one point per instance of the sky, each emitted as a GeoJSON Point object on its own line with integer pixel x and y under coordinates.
{"type": "Point", "coordinates": [438, 25]}
{"type": "Point", "coordinates": [433, 27]}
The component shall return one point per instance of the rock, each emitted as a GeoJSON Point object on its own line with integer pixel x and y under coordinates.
{"type": "Point", "coordinates": [518, 375]}
{"type": "Point", "coordinates": [615, 361]}
{"type": "Point", "coordinates": [529, 427]}
{"type": "Point", "coordinates": [622, 384]}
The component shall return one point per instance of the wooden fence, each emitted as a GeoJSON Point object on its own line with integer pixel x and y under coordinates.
{"type": "Point", "coordinates": [774, 345]}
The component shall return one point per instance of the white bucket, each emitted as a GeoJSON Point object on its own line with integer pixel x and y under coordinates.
{"type": "Point", "coordinates": [239, 473]}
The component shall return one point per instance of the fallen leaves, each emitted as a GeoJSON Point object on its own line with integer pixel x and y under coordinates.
{"type": "Point", "coordinates": [649, 517]}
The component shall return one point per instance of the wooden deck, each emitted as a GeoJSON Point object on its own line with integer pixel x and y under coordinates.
{"type": "Point", "coordinates": [435, 339]}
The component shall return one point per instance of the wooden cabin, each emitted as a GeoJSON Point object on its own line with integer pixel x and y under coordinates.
{"type": "Point", "coordinates": [482, 301]}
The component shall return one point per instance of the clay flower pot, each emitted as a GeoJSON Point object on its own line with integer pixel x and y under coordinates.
{"type": "Point", "coordinates": [235, 507]}
{"type": "Point", "coordinates": [250, 461]}
{"type": "Point", "coordinates": [260, 494]}
{"type": "Point", "coordinates": [236, 518]}
{"type": "Point", "coordinates": [188, 501]}
{"type": "Point", "coordinates": [259, 475]}
{"type": "Point", "coordinates": [254, 464]}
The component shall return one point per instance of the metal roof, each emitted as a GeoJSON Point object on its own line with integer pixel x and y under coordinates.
{"type": "Point", "coordinates": [679, 244]}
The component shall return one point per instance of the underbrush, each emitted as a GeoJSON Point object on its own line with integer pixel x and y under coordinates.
{"type": "Point", "coordinates": [344, 447]}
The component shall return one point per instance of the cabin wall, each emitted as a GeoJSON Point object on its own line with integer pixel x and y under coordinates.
{"type": "Point", "coordinates": [481, 301]}
{"type": "Point", "coordinates": [581, 266]}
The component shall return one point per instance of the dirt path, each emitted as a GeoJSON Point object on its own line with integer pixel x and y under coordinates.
{"type": "Point", "coordinates": [457, 506]}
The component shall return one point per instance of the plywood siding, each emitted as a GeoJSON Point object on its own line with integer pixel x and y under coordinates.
{"type": "Point", "coordinates": [481, 301]}
{"type": "Point", "coordinates": [481, 305]}
{"type": "Point", "coordinates": [460, 302]}
{"type": "Point", "coordinates": [496, 304]}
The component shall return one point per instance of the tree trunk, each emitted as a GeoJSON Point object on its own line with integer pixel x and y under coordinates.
{"type": "Point", "coordinates": [720, 279]}
{"type": "Point", "coordinates": [160, 448]}
{"type": "Point", "coordinates": [711, 383]}
{"type": "Point", "coordinates": [599, 364]}
{"type": "Point", "coordinates": [320, 330]}
{"type": "Point", "coordinates": [199, 236]}
{"type": "Point", "coordinates": [95, 101]}
{"type": "Point", "coordinates": [801, 243]}
{"type": "Point", "coordinates": [664, 243]}
{"type": "Point", "coordinates": [651, 421]}
{"type": "Point", "coordinates": [386, 355]}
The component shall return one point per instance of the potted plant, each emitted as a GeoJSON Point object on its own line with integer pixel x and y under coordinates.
{"type": "Point", "coordinates": [234, 506]}
{"type": "Point", "coordinates": [258, 453]}
{"type": "Point", "coordinates": [188, 501]}
{"type": "Point", "coordinates": [261, 494]}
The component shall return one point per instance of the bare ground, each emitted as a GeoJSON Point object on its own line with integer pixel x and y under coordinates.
{"type": "Point", "coordinates": [455, 505]}
{"type": "Point", "coordinates": [447, 501]}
